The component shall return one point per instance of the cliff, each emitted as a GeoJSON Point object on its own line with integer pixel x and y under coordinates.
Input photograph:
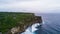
{"type": "Point", "coordinates": [14, 22]}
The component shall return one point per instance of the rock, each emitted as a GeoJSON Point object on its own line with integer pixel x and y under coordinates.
{"type": "Point", "coordinates": [15, 22]}
{"type": "Point", "coordinates": [21, 28]}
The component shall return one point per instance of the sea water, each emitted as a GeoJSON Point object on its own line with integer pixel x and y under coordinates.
{"type": "Point", "coordinates": [30, 30]}
{"type": "Point", "coordinates": [51, 25]}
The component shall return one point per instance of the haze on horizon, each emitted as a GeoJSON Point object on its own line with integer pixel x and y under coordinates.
{"type": "Point", "coordinates": [35, 6]}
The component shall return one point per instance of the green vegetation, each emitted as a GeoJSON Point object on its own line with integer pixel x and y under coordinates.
{"type": "Point", "coordinates": [11, 19]}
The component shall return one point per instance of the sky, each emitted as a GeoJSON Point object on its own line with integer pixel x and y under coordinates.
{"type": "Point", "coordinates": [35, 6]}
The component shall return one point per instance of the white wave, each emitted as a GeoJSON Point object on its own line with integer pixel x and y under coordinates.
{"type": "Point", "coordinates": [31, 29]}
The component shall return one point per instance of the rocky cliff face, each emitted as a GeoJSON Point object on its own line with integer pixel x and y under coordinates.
{"type": "Point", "coordinates": [14, 23]}
{"type": "Point", "coordinates": [21, 28]}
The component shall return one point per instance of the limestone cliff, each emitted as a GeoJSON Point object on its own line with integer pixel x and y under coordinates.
{"type": "Point", "coordinates": [14, 22]}
{"type": "Point", "coordinates": [22, 28]}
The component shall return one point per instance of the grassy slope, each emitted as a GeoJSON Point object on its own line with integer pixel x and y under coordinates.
{"type": "Point", "coordinates": [9, 20]}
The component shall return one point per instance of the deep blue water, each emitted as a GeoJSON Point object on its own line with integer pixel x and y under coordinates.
{"type": "Point", "coordinates": [51, 24]}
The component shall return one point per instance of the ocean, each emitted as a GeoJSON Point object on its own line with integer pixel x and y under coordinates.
{"type": "Point", "coordinates": [51, 24]}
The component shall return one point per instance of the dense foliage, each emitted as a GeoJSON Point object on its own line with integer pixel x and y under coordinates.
{"type": "Point", "coordinates": [9, 20]}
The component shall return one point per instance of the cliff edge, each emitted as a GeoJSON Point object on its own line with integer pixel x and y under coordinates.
{"type": "Point", "coordinates": [14, 23]}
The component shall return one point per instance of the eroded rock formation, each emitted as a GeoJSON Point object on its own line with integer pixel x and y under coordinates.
{"type": "Point", "coordinates": [22, 28]}
{"type": "Point", "coordinates": [14, 23]}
